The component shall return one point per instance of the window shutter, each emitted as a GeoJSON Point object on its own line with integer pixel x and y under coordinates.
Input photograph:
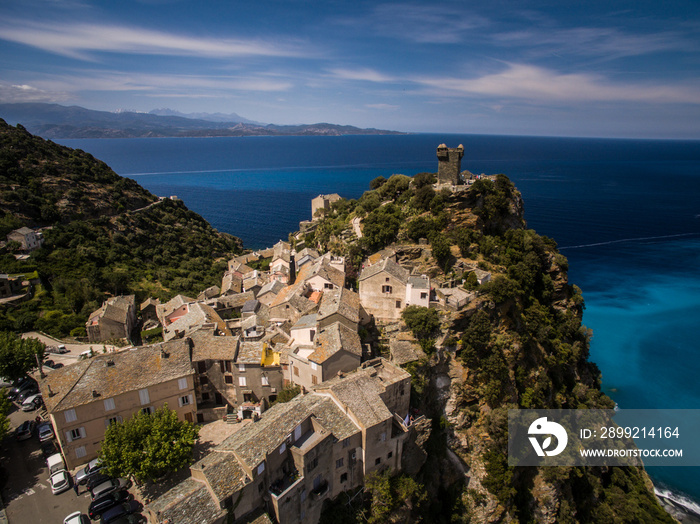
{"type": "Point", "coordinates": [82, 432]}
{"type": "Point", "coordinates": [143, 396]}
{"type": "Point", "coordinates": [182, 383]}
{"type": "Point", "coordinates": [191, 400]}
{"type": "Point", "coordinates": [68, 437]}
{"type": "Point", "coordinates": [109, 404]}
{"type": "Point", "coordinates": [179, 401]}
{"type": "Point", "coordinates": [70, 415]}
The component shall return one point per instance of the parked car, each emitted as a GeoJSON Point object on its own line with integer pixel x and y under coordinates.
{"type": "Point", "coordinates": [102, 504]}
{"type": "Point", "coordinates": [21, 386]}
{"type": "Point", "coordinates": [93, 468]}
{"type": "Point", "coordinates": [99, 478]}
{"type": "Point", "coordinates": [129, 519]}
{"type": "Point", "coordinates": [45, 431]}
{"type": "Point", "coordinates": [55, 463]}
{"type": "Point", "coordinates": [26, 430]}
{"type": "Point", "coordinates": [76, 518]}
{"type": "Point", "coordinates": [60, 349]}
{"type": "Point", "coordinates": [57, 365]}
{"type": "Point", "coordinates": [108, 487]}
{"type": "Point", "coordinates": [48, 448]}
{"type": "Point", "coordinates": [121, 510]}
{"type": "Point", "coordinates": [49, 363]}
{"type": "Point", "coordinates": [60, 481]}
{"type": "Point", "coordinates": [25, 394]}
{"type": "Point", "coordinates": [32, 402]}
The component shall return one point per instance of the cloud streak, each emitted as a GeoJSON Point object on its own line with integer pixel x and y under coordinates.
{"type": "Point", "coordinates": [83, 41]}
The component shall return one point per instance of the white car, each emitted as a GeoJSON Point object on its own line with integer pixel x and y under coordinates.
{"type": "Point", "coordinates": [45, 431]}
{"type": "Point", "coordinates": [76, 518]}
{"type": "Point", "coordinates": [60, 481]}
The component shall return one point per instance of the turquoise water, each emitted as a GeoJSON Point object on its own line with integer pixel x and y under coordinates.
{"type": "Point", "coordinates": [625, 212]}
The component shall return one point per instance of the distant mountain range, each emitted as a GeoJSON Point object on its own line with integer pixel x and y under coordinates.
{"type": "Point", "coordinates": [57, 121]}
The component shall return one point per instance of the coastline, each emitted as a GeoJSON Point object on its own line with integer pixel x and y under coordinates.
{"type": "Point", "coordinates": [681, 507]}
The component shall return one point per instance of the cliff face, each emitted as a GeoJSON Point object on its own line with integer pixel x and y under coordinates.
{"type": "Point", "coordinates": [518, 343]}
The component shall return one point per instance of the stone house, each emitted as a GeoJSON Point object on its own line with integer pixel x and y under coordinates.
{"type": "Point", "coordinates": [116, 319]}
{"type": "Point", "coordinates": [322, 202]}
{"type": "Point", "coordinates": [306, 256]}
{"type": "Point", "coordinates": [84, 398]}
{"type": "Point", "coordinates": [341, 305]}
{"type": "Point", "coordinates": [292, 302]}
{"type": "Point", "coordinates": [282, 265]}
{"type": "Point", "coordinates": [163, 310]}
{"type": "Point", "coordinates": [148, 310]}
{"type": "Point", "coordinates": [190, 317]}
{"type": "Point", "coordinates": [322, 276]}
{"type": "Point", "coordinates": [269, 291]}
{"type": "Point", "coordinates": [333, 349]}
{"type": "Point", "coordinates": [231, 283]}
{"type": "Point", "coordinates": [299, 454]}
{"type": "Point", "coordinates": [28, 239]}
{"type": "Point", "coordinates": [233, 375]}
{"type": "Point", "coordinates": [10, 286]}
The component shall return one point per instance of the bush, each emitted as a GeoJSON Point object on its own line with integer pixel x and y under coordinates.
{"type": "Point", "coordinates": [377, 182]}
{"type": "Point", "coordinates": [422, 321]}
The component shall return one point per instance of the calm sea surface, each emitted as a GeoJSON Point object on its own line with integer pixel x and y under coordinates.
{"type": "Point", "coordinates": [625, 212]}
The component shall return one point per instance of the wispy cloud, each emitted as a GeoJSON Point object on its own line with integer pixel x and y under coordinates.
{"type": "Point", "coordinates": [11, 94]}
{"type": "Point", "coordinates": [390, 107]}
{"type": "Point", "coordinates": [543, 85]}
{"type": "Point", "coordinates": [604, 42]}
{"type": "Point", "coordinates": [367, 75]}
{"type": "Point", "coordinates": [84, 41]}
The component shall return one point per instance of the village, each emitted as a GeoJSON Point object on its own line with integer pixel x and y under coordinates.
{"type": "Point", "coordinates": [283, 320]}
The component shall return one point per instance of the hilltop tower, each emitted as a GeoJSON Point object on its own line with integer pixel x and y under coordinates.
{"type": "Point", "coordinates": [449, 164]}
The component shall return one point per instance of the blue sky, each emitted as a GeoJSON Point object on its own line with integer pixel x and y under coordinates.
{"type": "Point", "coordinates": [609, 69]}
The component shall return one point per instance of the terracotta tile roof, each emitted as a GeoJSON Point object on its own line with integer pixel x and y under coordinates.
{"type": "Point", "coordinates": [73, 385]}
{"type": "Point", "coordinates": [207, 346]}
{"type": "Point", "coordinates": [332, 339]}
{"type": "Point", "coordinates": [189, 502]}
{"type": "Point", "coordinates": [315, 296]}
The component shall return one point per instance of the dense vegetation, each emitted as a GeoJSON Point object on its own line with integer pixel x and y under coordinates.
{"type": "Point", "coordinates": [520, 343]}
{"type": "Point", "coordinates": [102, 240]}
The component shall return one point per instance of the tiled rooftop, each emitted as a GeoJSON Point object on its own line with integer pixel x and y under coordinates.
{"type": "Point", "coordinates": [73, 385]}
{"type": "Point", "coordinates": [332, 339]}
{"type": "Point", "coordinates": [343, 301]}
{"type": "Point", "coordinates": [187, 503]}
{"type": "Point", "coordinates": [223, 473]}
{"type": "Point", "coordinates": [249, 352]}
{"type": "Point", "coordinates": [207, 346]}
{"type": "Point", "coordinates": [387, 265]}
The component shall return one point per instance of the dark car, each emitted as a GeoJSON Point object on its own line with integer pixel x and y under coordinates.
{"type": "Point", "coordinates": [93, 468]}
{"type": "Point", "coordinates": [49, 363]}
{"type": "Point", "coordinates": [129, 519]}
{"type": "Point", "coordinates": [26, 393]}
{"type": "Point", "coordinates": [26, 430]}
{"type": "Point", "coordinates": [48, 448]}
{"type": "Point", "coordinates": [57, 365]}
{"type": "Point", "coordinates": [96, 480]}
{"type": "Point", "coordinates": [102, 504]}
{"type": "Point", "coordinates": [122, 510]}
{"type": "Point", "coordinates": [22, 386]}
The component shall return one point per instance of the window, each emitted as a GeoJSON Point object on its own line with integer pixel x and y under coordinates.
{"type": "Point", "coordinates": [222, 366]}
{"type": "Point", "coordinates": [144, 397]}
{"type": "Point", "coordinates": [185, 401]}
{"type": "Point", "coordinates": [378, 461]}
{"type": "Point", "coordinates": [339, 463]}
{"type": "Point", "coordinates": [386, 289]}
{"type": "Point", "coordinates": [70, 415]}
{"type": "Point", "coordinates": [261, 468]}
{"type": "Point", "coordinates": [109, 404]}
{"type": "Point", "coordinates": [390, 454]}
{"type": "Point", "coordinates": [302, 495]}
{"type": "Point", "coordinates": [241, 381]}
{"type": "Point", "coordinates": [387, 279]}
{"type": "Point", "coordinates": [229, 366]}
{"type": "Point", "coordinates": [182, 383]}
{"type": "Point", "coordinates": [346, 442]}
{"type": "Point", "coordinates": [283, 448]}
{"type": "Point", "coordinates": [203, 381]}
{"type": "Point", "coordinates": [398, 304]}
{"type": "Point", "coordinates": [148, 410]}
{"type": "Point", "coordinates": [297, 432]}
{"type": "Point", "coordinates": [312, 464]}
{"type": "Point", "coordinates": [75, 434]}
{"type": "Point", "coordinates": [296, 371]}
{"type": "Point", "coordinates": [80, 452]}
{"type": "Point", "coordinates": [327, 286]}
{"type": "Point", "coordinates": [228, 379]}
{"type": "Point", "coordinates": [423, 296]}
{"type": "Point", "coordinates": [314, 366]}
{"type": "Point", "coordinates": [205, 396]}
{"type": "Point", "coordinates": [314, 379]}
{"type": "Point", "coordinates": [265, 380]}
{"type": "Point", "coordinates": [202, 366]}
{"type": "Point", "coordinates": [382, 437]}
{"type": "Point", "coordinates": [344, 477]}
{"type": "Point", "coordinates": [112, 420]}
{"type": "Point", "coordinates": [241, 368]}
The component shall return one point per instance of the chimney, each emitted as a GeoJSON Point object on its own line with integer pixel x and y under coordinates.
{"type": "Point", "coordinates": [95, 394]}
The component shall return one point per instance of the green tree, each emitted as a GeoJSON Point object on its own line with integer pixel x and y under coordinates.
{"type": "Point", "coordinates": [147, 446]}
{"type": "Point", "coordinates": [422, 321]}
{"type": "Point", "coordinates": [18, 355]}
{"type": "Point", "coordinates": [5, 406]}
{"type": "Point", "coordinates": [441, 249]}
{"type": "Point", "coordinates": [377, 182]}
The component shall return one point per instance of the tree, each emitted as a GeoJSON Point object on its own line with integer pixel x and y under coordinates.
{"type": "Point", "coordinates": [377, 182]}
{"type": "Point", "coordinates": [147, 446]}
{"type": "Point", "coordinates": [422, 321]}
{"type": "Point", "coordinates": [441, 249]}
{"type": "Point", "coordinates": [5, 406]}
{"type": "Point", "coordinates": [18, 355]}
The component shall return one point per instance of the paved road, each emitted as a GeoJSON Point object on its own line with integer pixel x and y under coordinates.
{"type": "Point", "coordinates": [74, 350]}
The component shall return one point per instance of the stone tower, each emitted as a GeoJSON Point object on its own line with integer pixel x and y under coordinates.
{"type": "Point", "coordinates": [449, 164]}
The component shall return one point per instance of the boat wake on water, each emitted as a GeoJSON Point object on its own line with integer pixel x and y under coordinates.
{"type": "Point", "coordinates": [623, 240]}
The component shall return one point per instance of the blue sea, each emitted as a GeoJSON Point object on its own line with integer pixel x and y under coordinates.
{"type": "Point", "coordinates": [626, 213]}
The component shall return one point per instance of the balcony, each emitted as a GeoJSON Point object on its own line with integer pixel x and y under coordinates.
{"type": "Point", "coordinates": [320, 491]}
{"type": "Point", "coordinates": [282, 486]}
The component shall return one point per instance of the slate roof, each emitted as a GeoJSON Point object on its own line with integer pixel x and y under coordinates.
{"type": "Point", "coordinates": [419, 282]}
{"type": "Point", "coordinates": [149, 302]}
{"type": "Point", "coordinates": [254, 442]}
{"type": "Point", "coordinates": [292, 294]}
{"type": "Point", "coordinates": [343, 301]}
{"type": "Point", "coordinates": [223, 473]}
{"type": "Point", "coordinates": [235, 301]}
{"type": "Point", "coordinates": [250, 306]}
{"type": "Point", "coordinates": [249, 352]}
{"type": "Point", "coordinates": [332, 339]}
{"type": "Point", "coordinates": [274, 287]}
{"type": "Point", "coordinates": [197, 315]}
{"type": "Point", "coordinates": [132, 370]}
{"type": "Point", "coordinates": [116, 308]}
{"type": "Point", "coordinates": [405, 351]}
{"type": "Point", "coordinates": [207, 346]}
{"type": "Point", "coordinates": [163, 310]}
{"type": "Point", "coordinates": [323, 269]}
{"type": "Point", "coordinates": [387, 265]}
{"type": "Point", "coordinates": [307, 321]}
{"type": "Point", "coordinates": [189, 502]}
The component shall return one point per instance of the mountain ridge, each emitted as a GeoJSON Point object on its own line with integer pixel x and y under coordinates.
{"type": "Point", "coordinates": [54, 121]}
